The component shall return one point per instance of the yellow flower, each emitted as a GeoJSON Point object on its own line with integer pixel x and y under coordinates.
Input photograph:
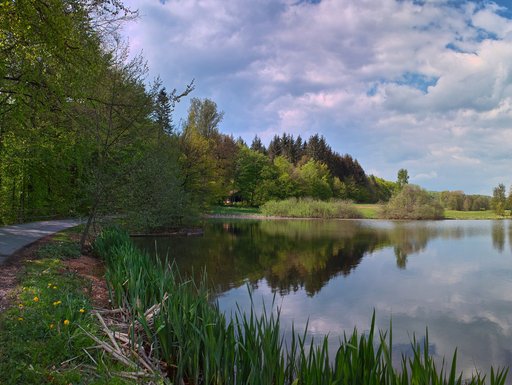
{"type": "Point", "coordinates": [82, 310]}
{"type": "Point", "coordinates": [54, 287]}
{"type": "Point", "coordinates": [57, 303]}
{"type": "Point", "coordinates": [49, 285]}
{"type": "Point", "coordinates": [20, 306]}
{"type": "Point", "coordinates": [52, 326]}
{"type": "Point", "coordinates": [20, 318]}
{"type": "Point", "coordinates": [66, 322]}
{"type": "Point", "coordinates": [36, 299]}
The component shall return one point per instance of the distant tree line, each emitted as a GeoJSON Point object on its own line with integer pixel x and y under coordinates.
{"type": "Point", "coordinates": [343, 176]}
{"type": "Point", "coordinates": [458, 200]}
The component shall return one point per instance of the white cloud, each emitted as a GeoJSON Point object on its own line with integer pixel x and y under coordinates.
{"type": "Point", "coordinates": [386, 81]}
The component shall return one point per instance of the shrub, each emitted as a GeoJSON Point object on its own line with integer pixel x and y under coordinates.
{"type": "Point", "coordinates": [310, 208]}
{"type": "Point", "coordinates": [412, 202]}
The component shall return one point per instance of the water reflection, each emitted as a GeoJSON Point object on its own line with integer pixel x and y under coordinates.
{"type": "Point", "coordinates": [298, 254]}
{"type": "Point", "coordinates": [454, 277]}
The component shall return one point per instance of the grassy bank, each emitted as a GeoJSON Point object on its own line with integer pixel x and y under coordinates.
{"type": "Point", "coordinates": [367, 211]}
{"type": "Point", "coordinates": [310, 208]}
{"type": "Point", "coordinates": [43, 336]}
{"type": "Point", "coordinates": [192, 342]}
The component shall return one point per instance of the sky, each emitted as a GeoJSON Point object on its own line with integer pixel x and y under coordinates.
{"type": "Point", "coordinates": [420, 85]}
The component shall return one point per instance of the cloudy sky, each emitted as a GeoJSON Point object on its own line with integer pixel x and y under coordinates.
{"type": "Point", "coordinates": [421, 85]}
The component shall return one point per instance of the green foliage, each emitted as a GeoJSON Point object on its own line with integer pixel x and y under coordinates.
{"type": "Point", "coordinates": [310, 208]}
{"type": "Point", "coordinates": [200, 345]}
{"type": "Point", "coordinates": [457, 200]}
{"type": "Point", "coordinates": [499, 200]}
{"type": "Point", "coordinates": [402, 178]}
{"type": "Point", "coordinates": [249, 173]}
{"type": "Point", "coordinates": [313, 179]}
{"type": "Point", "coordinates": [412, 202]}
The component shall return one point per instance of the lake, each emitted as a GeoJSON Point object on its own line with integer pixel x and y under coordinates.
{"type": "Point", "coordinates": [454, 277]}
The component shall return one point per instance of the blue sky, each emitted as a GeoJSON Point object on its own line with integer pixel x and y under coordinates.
{"type": "Point", "coordinates": [421, 85]}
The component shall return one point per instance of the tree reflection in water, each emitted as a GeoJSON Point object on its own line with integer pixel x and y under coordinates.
{"type": "Point", "coordinates": [297, 254]}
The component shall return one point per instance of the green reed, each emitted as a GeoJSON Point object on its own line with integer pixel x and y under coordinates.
{"type": "Point", "coordinates": [311, 208]}
{"type": "Point", "coordinates": [202, 346]}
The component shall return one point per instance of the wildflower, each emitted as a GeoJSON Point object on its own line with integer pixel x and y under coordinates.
{"type": "Point", "coordinates": [66, 322]}
{"type": "Point", "coordinates": [20, 318]}
{"type": "Point", "coordinates": [49, 285]}
{"type": "Point", "coordinates": [52, 326]}
{"type": "Point", "coordinates": [36, 299]}
{"type": "Point", "coordinates": [82, 310]}
{"type": "Point", "coordinates": [54, 287]}
{"type": "Point", "coordinates": [57, 303]}
{"type": "Point", "coordinates": [20, 306]}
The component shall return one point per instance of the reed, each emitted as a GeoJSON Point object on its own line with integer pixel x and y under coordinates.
{"type": "Point", "coordinates": [200, 345]}
{"type": "Point", "coordinates": [311, 208]}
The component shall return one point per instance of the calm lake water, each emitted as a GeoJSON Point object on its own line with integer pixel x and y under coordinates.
{"type": "Point", "coordinates": [454, 277]}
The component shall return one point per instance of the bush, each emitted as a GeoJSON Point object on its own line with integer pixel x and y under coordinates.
{"type": "Point", "coordinates": [310, 208]}
{"type": "Point", "coordinates": [412, 202]}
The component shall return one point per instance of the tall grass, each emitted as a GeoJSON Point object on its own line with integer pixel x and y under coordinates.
{"type": "Point", "coordinates": [200, 345]}
{"type": "Point", "coordinates": [310, 208]}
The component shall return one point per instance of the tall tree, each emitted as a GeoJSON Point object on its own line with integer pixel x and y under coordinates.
{"type": "Point", "coordinates": [258, 146]}
{"type": "Point", "coordinates": [402, 178]}
{"type": "Point", "coordinates": [499, 199]}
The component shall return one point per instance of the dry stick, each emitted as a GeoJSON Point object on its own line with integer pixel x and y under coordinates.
{"type": "Point", "coordinates": [109, 333]}
{"type": "Point", "coordinates": [111, 350]}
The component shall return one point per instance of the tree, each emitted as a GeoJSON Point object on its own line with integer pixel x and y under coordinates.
{"type": "Point", "coordinates": [50, 53]}
{"type": "Point", "coordinates": [413, 202]}
{"type": "Point", "coordinates": [402, 178]}
{"type": "Point", "coordinates": [116, 127]}
{"type": "Point", "coordinates": [205, 117]}
{"type": "Point", "coordinates": [249, 167]}
{"type": "Point", "coordinates": [499, 200]}
{"type": "Point", "coordinates": [315, 180]}
{"type": "Point", "coordinates": [257, 145]}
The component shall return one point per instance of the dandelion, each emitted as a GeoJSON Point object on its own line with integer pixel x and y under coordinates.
{"type": "Point", "coordinates": [36, 299]}
{"type": "Point", "coordinates": [66, 322]}
{"type": "Point", "coordinates": [82, 310]}
{"type": "Point", "coordinates": [56, 303]}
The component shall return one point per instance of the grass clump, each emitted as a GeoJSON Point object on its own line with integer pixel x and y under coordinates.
{"type": "Point", "coordinates": [200, 345]}
{"type": "Point", "coordinates": [412, 202]}
{"type": "Point", "coordinates": [59, 250]}
{"type": "Point", "coordinates": [310, 208]}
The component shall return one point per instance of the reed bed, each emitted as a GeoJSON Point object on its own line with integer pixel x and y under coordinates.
{"type": "Point", "coordinates": [311, 208]}
{"type": "Point", "coordinates": [175, 324]}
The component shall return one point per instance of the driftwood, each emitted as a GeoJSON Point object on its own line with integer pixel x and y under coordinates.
{"type": "Point", "coordinates": [125, 343]}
